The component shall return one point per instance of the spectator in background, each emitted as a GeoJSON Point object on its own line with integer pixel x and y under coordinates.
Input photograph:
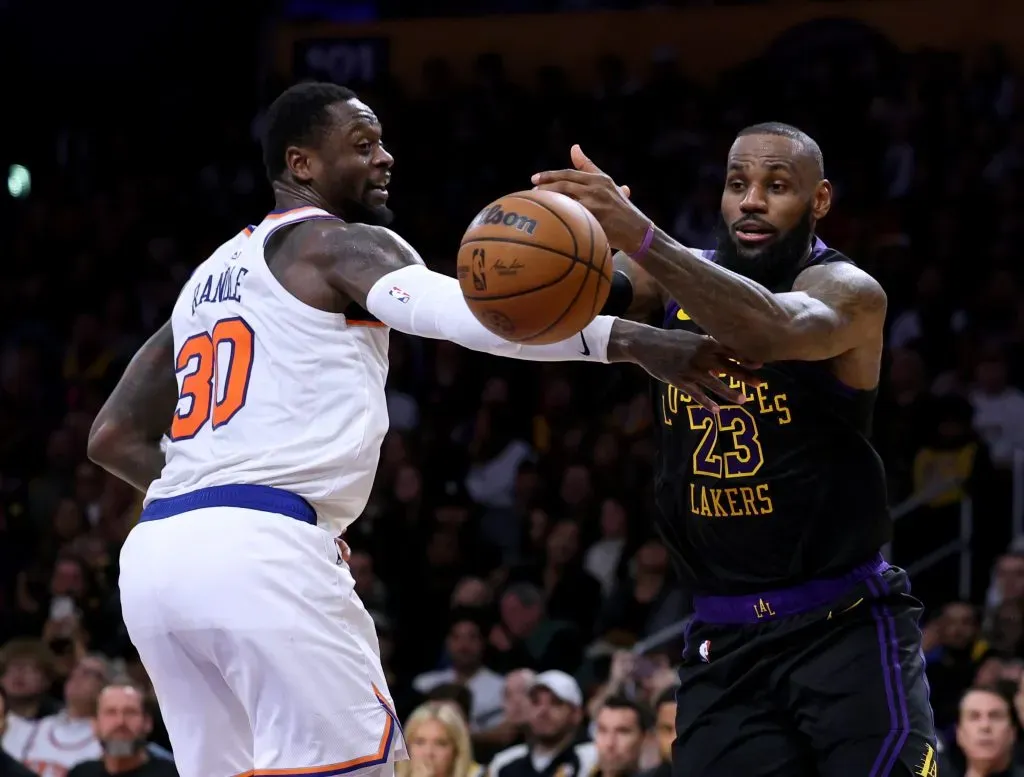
{"type": "Point", "coordinates": [556, 714]}
{"type": "Point", "coordinates": [998, 408]}
{"type": "Point", "coordinates": [438, 743]}
{"type": "Point", "coordinates": [526, 637]}
{"type": "Point", "coordinates": [664, 732]}
{"type": "Point", "coordinates": [465, 648]}
{"type": "Point", "coordinates": [456, 695]}
{"type": "Point", "coordinates": [58, 742]}
{"type": "Point", "coordinates": [645, 603]}
{"type": "Point", "coordinates": [570, 593]}
{"type": "Point", "coordinates": [1007, 579]}
{"type": "Point", "coordinates": [619, 730]}
{"type": "Point", "coordinates": [8, 766]}
{"type": "Point", "coordinates": [603, 558]}
{"type": "Point", "coordinates": [122, 727]}
{"type": "Point", "coordinates": [952, 651]}
{"type": "Point", "coordinates": [986, 734]}
{"type": "Point", "coordinates": [516, 715]}
{"type": "Point", "coordinates": [25, 675]}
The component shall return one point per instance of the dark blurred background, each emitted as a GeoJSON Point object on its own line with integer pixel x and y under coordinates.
{"type": "Point", "coordinates": [128, 150]}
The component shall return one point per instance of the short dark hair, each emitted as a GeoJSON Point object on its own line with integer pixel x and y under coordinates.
{"type": "Point", "coordinates": [528, 594]}
{"type": "Point", "coordinates": [453, 692]}
{"type": "Point", "coordinates": [644, 717]}
{"type": "Point", "coordinates": [298, 117]}
{"type": "Point", "coordinates": [471, 615]}
{"type": "Point", "coordinates": [999, 692]}
{"type": "Point", "coordinates": [810, 145]}
{"type": "Point", "coordinates": [668, 696]}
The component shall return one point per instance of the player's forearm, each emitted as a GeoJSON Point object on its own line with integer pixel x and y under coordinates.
{"type": "Point", "coordinates": [136, 462]}
{"type": "Point", "coordinates": [740, 313]}
{"type": "Point", "coordinates": [419, 302]}
{"type": "Point", "coordinates": [125, 438]}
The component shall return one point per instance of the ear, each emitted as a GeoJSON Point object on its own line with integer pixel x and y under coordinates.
{"type": "Point", "coordinates": [822, 202]}
{"type": "Point", "coordinates": [301, 163]}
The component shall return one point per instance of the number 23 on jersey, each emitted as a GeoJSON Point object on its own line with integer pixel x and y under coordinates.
{"type": "Point", "coordinates": [216, 366]}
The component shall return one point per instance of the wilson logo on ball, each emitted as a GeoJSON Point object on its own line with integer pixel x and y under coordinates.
{"type": "Point", "coordinates": [497, 215]}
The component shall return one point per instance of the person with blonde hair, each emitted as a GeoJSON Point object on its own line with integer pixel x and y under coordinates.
{"type": "Point", "coordinates": [438, 740]}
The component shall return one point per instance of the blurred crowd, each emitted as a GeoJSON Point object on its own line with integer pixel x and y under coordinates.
{"type": "Point", "coordinates": [528, 617]}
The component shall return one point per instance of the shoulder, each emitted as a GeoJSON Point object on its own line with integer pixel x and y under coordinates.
{"type": "Point", "coordinates": [334, 236]}
{"type": "Point", "coordinates": [427, 681]}
{"type": "Point", "coordinates": [84, 769]}
{"type": "Point", "coordinates": [506, 757]}
{"type": "Point", "coordinates": [842, 283]}
{"type": "Point", "coordinates": [586, 752]}
{"type": "Point", "coordinates": [159, 767]}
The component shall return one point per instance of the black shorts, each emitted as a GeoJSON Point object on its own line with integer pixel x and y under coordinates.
{"type": "Point", "coordinates": [837, 690]}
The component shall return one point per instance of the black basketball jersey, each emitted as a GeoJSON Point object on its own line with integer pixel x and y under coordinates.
{"type": "Point", "coordinates": [780, 490]}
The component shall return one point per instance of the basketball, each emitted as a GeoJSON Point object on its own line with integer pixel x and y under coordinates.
{"type": "Point", "coordinates": [535, 267]}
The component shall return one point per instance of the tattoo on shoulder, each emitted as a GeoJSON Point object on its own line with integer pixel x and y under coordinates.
{"type": "Point", "coordinates": [358, 255]}
{"type": "Point", "coordinates": [843, 286]}
{"type": "Point", "coordinates": [147, 393]}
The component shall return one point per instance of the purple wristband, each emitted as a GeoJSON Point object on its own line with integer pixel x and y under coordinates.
{"type": "Point", "coordinates": [645, 244]}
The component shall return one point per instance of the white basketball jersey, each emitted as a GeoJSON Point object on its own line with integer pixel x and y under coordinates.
{"type": "Point", "coordinates": [51, 747]}
{"type": "Point", "coordinates": [272, 391]}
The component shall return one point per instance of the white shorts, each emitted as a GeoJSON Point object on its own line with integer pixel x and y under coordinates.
{"type": "Point", "coordinates": [263, 659]}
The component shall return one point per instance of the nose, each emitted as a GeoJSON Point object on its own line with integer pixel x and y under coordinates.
{"type": "Point", "coordinates": [384, 158]}
{"type": "Point", "coordinates": [754, 201]}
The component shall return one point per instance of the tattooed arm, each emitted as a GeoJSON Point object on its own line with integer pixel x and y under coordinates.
{"type": "Point", "coordinates": [380, 271]}
{"type": "Point", "coordinates": [646, 295]}
{"type": "Point", "coordinates": [125, 437]}
{"type": "Point", "coordinates": [831, 310]}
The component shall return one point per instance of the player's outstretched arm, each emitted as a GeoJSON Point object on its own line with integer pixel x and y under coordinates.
{"type": "Point", "coordinates": [380, 271]}
{"type": "Point", "coordinates": [634, 294]}
{"type": "Point", "coordinates": [125, 437]}
{"type": "Point", "coordinates": [831, 310]}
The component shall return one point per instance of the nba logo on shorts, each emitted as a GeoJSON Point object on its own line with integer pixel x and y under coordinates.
{"type": "Point", "coordinates": [705, 651]}
{"type": "Point", "coordinates": [397, 293]}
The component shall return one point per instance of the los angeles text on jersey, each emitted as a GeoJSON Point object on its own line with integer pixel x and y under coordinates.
{"type": "Point", "coordinates": [728, 448]}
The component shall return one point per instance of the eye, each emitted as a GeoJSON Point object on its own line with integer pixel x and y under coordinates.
{"type": "Point", "coordinates": [779, 187]}
{"type": "Point", "coordinates": [364, 147]}
{"type": "Point", "coordinates": [735, 185]}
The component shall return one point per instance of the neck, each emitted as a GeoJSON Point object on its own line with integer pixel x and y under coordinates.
{"type": "Point", "coordinates": [26, 708]}
{"type": "Point", "coordinates": [542, 748]}
{"type": "Point", "coordinates": [118, 765]}
{"type": "Point", "coordinates": [288, 195]}
{"type": "Point", "coordinates": [987, 766]}
{"type": "Point", "coordinates": [464, 673]}
{"type": "Point", "coordinates": [78, 712]}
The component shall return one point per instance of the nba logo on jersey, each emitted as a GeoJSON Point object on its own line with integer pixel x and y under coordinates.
{"type": "Point", "coordinates": [705, 651]}
{"type": "Point", "coordinates": [397, 293]}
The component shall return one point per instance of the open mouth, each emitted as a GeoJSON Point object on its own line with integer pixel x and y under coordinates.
{"type": "Point", "coordinates": [753, 232]}
{"type": "Point", "coordinates": [379, 190]}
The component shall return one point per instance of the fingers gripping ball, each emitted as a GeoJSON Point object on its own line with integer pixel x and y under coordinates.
{"type": "Point", "coordinates": [535, 267]}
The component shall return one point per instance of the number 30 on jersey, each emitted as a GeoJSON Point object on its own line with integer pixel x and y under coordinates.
{"type": "Point", "coordinates": [217, 366]}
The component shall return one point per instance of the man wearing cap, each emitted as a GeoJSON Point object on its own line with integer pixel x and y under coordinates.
{"type": "Point", "coordinates": [553, 748]}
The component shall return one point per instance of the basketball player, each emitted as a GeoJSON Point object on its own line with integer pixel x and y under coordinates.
{"type": "Point", "coordinates": [271, 377]}
{"type": "Point", "coordinates": [804, 654]}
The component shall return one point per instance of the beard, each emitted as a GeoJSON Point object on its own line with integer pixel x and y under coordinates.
{"type": "Point", "coordinates": [375, 216]}
{"type": "Point", "coordinates": [121, 747]}
{"type": "Point", "coordinates": [772, 264]}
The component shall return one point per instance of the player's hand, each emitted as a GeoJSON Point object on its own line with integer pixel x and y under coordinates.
{"type": "Point", "coordinates": [623, 223]}
{"type": "Point", "coordinates": [623, 663]}
{"type": "Point", "coordinates": [343, 548]}
{"type": "Point", "coordinates": [695, 364]}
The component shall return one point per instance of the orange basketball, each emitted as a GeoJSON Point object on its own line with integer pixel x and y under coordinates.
{"type": "Point", "coordinates": [535, 267]}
